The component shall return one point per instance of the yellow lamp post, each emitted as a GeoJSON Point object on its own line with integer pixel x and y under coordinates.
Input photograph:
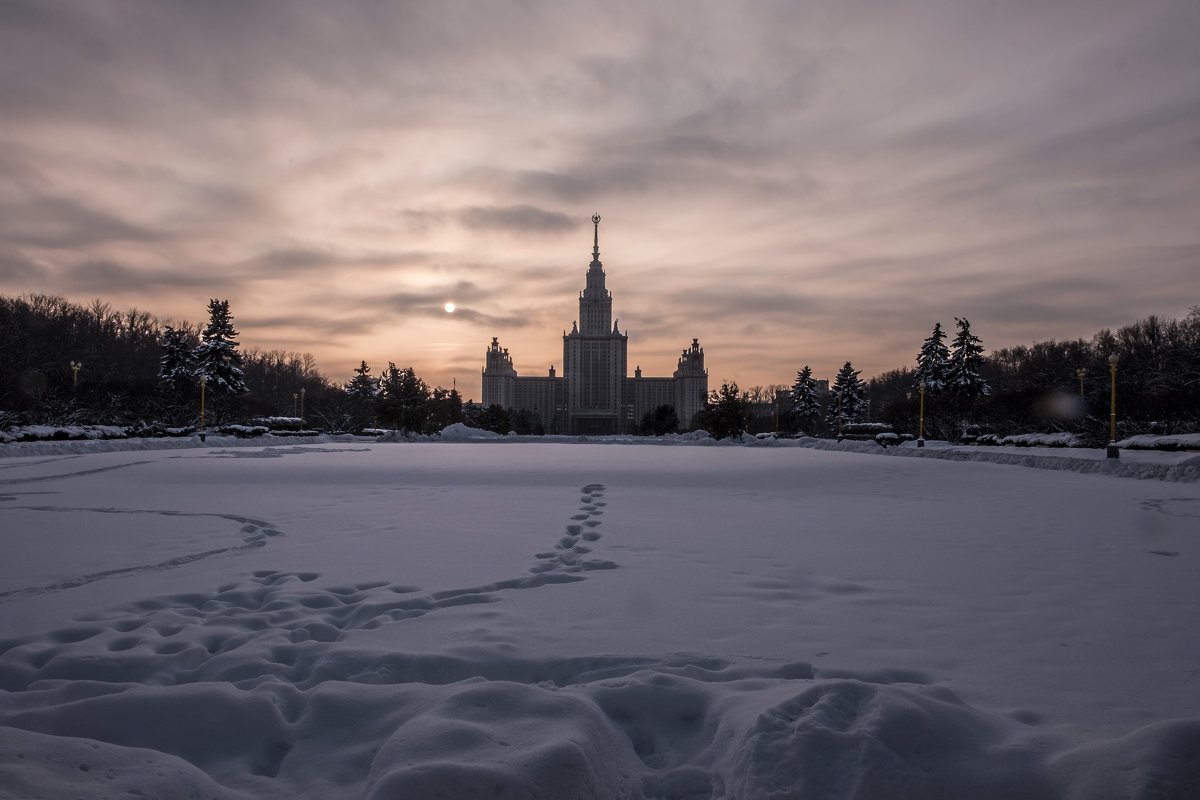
{"type": "Point", "coordinates": [75, 367]}
{"type": "Point", "coordinates": [1081, 373]}
{"type": "Point", "coordinates": [203, 382]}
{"type": "Point", "coordinates": [921, 419]}
{"type": "Point", "coordinates": [1113, 450]}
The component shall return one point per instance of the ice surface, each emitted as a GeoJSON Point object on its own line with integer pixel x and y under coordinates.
{"type": "Point", "coordinates": [558, 619]}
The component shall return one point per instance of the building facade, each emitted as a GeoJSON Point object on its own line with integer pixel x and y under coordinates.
{"type": "Point", "coordinates": [594, 395]}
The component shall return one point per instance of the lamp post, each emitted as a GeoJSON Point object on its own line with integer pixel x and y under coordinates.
{"type": "Point", "coordinates": [203, 382]}
{"type": "Point", "coordinates": [301, 406]}
{"type": "Point", "coordinates": [75, 367]}
{"type": "Point", "coordinates": [839, 433]}
{"type": "Point", "coordinates": [1113, 450]}
{"type": "Point", "coordinates": [921, 419]}
{"type": "Point", "coordinates": [1081, 373]}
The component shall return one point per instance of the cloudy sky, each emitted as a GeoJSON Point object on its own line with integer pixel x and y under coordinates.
{"type": "Point", "coordinates": [791, 182]}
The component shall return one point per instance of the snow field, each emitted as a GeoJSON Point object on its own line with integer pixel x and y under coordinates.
{"type": "Point", "coordinates": [576, 621]}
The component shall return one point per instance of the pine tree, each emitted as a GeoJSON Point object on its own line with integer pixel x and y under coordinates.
{"type": "Point", "coordinates": [362, 388]}
{"type": "Point", "coordinates": [217, 358]}
{"type": "Point", "coordinates": [806, 406]}
{"type": "Point", "coordinates": [361, 391]}
{"type": "Point", "coordinates": [933, 362]}
{"type": "Point", "coordinates": [445, 408]}
{"type": "Point", "coordinates": [662, 420]}
{"type": "Point", "coordinates": [849, 394]}
{"type": "Point", "coordinates": [403, 400]}
{"type": "Point", "coordinates": [966, 357]}
{"type": "Point", "coordinates": [726, 413]}
{"type": "Point", "coordinates": [176, 366]}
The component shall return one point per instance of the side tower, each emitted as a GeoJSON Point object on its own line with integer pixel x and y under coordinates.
{"type": "Point", "coordinates": [691, 383]}
{"type": "Point", "coordinates": [594, 357]}
{"type": "Point", "coordinates": [498, 376]}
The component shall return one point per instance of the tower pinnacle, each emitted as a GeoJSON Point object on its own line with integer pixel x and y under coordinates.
{"type": "Point", "coordinates": [596, 241]}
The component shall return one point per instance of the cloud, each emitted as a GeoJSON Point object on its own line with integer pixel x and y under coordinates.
{"type": "Point", "coordinates": [769, 175]}
{"type": "Point", "coordinates": [520, 218]}
{"type": "Point", "coordinates": [17, 268]}
{"type": "Point", "coordinates": [102, 275]}
{"type": "Point", "coordinates": [292, 261]}
{"type": "Point", "coordinates": [62, 223]}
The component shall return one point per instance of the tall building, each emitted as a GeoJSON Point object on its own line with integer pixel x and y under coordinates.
{"type": "Point", "coordinates": [594, 395]}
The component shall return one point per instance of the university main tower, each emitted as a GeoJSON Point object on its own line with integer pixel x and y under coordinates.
{"type": "Point", "coordinates": [594, 396]}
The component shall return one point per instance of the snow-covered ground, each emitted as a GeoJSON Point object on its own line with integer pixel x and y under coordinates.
{"type": "Point", "coordinates": [523, 619]}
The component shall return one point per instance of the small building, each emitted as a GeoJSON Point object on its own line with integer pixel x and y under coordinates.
{"type": "Point", "coordinates": [594, 395]}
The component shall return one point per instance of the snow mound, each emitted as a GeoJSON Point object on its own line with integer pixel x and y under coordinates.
{"type": "Point", "coordinates": [459, 432]}
{"type": "Point", "coordinates": [41, 765]}
{"type": "Point", "coordinates": [29, 433]}
{"type": "Point", "coordinates": [1182, 441]}
{"type": "Point", "coordinates": [505, 739]}
{"type": "Point", "coordinates": [606, 727]}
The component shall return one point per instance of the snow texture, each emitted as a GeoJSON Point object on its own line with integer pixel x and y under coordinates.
{"type": "Point", "coordinates": [559, 619]}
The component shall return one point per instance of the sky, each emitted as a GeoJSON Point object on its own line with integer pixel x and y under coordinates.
{"type": "Point", "coordinates": [790, 183]}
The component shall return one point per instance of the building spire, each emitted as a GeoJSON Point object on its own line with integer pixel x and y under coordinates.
{"type": "Point", "coordinates": [596, 241]}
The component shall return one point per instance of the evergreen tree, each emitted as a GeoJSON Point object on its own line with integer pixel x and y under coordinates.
{"type": "Point", "coordinates": [403, 400]}
{"type": "Point", "coordinates": [176, 366]}
{"type": "Point", "coordinates": [445, 409]}
{"type": "Point", "coordinates": [361, 391]}
{"type": "Point", "coordinates": [662, 420]}
{"type": "Point", "coordinates": [362, 387]}
{"type": "Point", "coordinates": [851, 390]}
{"type": "Point", "coordinates": [726, 413]}
{"type": "Point", "coordinates": [966, 359]}
{"type": "Point", "coordinates": [217, 357]}
{"type": "Point", "coordinates": [495, 419]}
{"type": "Point", "coordinates": [806, 406]}
{"type": "Point", "coordinates": [933, 362]}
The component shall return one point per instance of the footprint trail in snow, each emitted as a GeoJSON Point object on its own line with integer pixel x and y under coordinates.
{"type": "Point", "coordinates": [283, 611]}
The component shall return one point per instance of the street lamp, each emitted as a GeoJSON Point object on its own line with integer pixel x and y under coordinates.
{"type": "Point", "coordinates": [302, 407]}
{"type": "Point", "coordinates": [1081, 373]}
{"type": "Point", "coordinates": [75, 367]}
{"type": "Point", "coordinates": [203, 383]}
{"type": "Point", "coordinates": [921, 419]}
{"type": "Point", "coordinates": [1113, 450]}
{"type": "Point", "coordinates": [839, 396]}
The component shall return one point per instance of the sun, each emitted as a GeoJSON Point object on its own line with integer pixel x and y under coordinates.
{"type": "Point", "coordinates": [449, 308]}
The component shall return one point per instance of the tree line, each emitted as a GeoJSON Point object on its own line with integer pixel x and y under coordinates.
{"type": "Point", "coordinates": [1045, 387]}
{"type": "Point", "coordinates": [64, 363]}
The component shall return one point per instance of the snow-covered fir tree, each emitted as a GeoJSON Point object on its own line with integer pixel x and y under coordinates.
{"type": "Point", "coordinates": [217, 357]}
{"type": "Point", "coordinates": [176, 366]}
{"type": "Point", "coordinates": [852, 391]}
{"type": "Point", "coordinates": [966, 357]}
{"type": "Point", "coordinates": [806, 406]}
{"type": "Point", "coordinates": [933, 362]}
